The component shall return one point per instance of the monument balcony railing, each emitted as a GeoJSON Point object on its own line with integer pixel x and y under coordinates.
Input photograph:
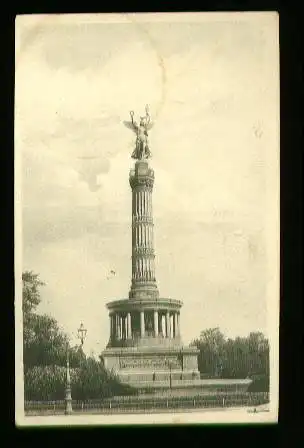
{"type": "Point", "coordinates": [142, 279]}
{"type": "Point", "coordinates": [146, 181]}
{"type": "Point", "coordinates": [142, 219]}
{"type": "Point", "coordinates": [133, 175]}
{"type": "Point", "coordinates": [148, 173]}
{"type": "Point", "coordinates": [142, 250]}
{"type": "Point", "coordinates": [147, 280]}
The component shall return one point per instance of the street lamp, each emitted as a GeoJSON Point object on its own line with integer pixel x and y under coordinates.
{"type": "Point", "coordinates": [170, 370]}
{"type": "Point", "coordinates": [68, 395]}
{"type": "Point", "coordinates": [81, 333]}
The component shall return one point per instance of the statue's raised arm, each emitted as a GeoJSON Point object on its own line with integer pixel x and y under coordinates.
{"type": "Point", "coordinates": [148, 119]}
{"type": "Point", "coordinates": [131, 124]}
{"type": "Point", "coordinates": [149, 123]}
{"type": "Point", "coordinates": [134, 124]}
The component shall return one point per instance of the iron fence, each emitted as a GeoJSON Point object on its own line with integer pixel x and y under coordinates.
{"type": "Point", "coordinates": [129, 404]}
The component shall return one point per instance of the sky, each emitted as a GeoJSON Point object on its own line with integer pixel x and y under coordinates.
{"type": "Point", "coordinates": [211, 82]}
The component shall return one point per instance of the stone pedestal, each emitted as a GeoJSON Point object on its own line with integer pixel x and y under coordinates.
{"type": "Point", "coordinates": [150, 350]}
{"type": "Point", "coordinates": [152, 364]}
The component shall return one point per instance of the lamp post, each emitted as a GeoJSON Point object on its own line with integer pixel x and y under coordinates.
{"type": "Point", "coordinates": [81, 334]}
{"type": "Point", "coordinates": [68, 395]}
{"type": "Point", "coordinates": [170, 374]}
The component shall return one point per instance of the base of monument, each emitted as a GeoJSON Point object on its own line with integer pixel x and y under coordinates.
{"type": "Point", "coordinates": [166, 371]}
{"type": "Point", "coordinates": [191, 387]}
{"type": "Point", "coordinates": [163, 370]}
{"type": "Point", "coordinates": [134, 365]}
{"type": "Point", "coordinates": [158, 377]}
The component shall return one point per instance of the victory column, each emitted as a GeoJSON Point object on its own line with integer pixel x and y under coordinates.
{"type": "Point", "coordinates": [145, 342]}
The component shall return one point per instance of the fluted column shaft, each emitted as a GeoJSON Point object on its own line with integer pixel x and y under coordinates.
{"type": "Point", "coordinates": [143, 265]}
{"type": "Point", "coordinates": [142, 324]}
{"type": "Point", "coordinates": [175, 325]}
{"type": "Point", "coordinates": [112, 326]}
{"type": "Point", "coordinates": [156, 323]}
{"type": "Point", "coordinates": [117, 326]}
{"type": "Point", "coordinates": [167, 324]}
{"type": "Point", "coordinates": [129, 335]}
{"type": "Point", "coordinates": [142, 236]}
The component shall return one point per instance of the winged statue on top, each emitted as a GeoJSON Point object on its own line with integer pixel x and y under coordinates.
{"type": "Point", "coordinates": [142, 150]}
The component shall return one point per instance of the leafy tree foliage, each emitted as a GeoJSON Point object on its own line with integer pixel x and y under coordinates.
{"type": "Point", "coordinates": [90, 381]}
{"type": "Point", "coordinates": [45, 352]}
{"type": "Point", "coordinates": [96, 382]}
{"type": "Point", "coordinates": [241, 357]}
{"type": "Point", "coordinates": [46, 383]}
{"type": "Point", "coordinates": [43, 341]}
{"type": "Point", "coordinates": [30, 292]}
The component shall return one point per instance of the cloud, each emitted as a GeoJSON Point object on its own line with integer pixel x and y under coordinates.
{"type": "Point", "coordinates": [53, 224]}
{"type": "Point", "coordinates": [84, 45]}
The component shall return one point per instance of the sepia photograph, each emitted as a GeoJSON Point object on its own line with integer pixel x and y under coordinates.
{"type": "Point", "coordinates": [147, 229]}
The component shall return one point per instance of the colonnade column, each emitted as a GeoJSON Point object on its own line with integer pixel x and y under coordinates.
{"type": "Point", "coordinates": [167, 324]}
{"type": "Point", "coordinates": [117, 326]}
{"type": "Point", "coordinates": [111, 327]}
{"type": "Point", "coordinates": [123, 327]}
{"type": "Point", "coordinates": [142, 324]}
{"type": "Point", "coordinates": [121, 324]}
{"type": "Point", "coordinates": [129, 333]}
{"type": "Point", "coordinates": [176, 333]}
{"type": "Point", "coordinates": [155, 323]}
{"type": "Point", "coordinates": [160, 323]}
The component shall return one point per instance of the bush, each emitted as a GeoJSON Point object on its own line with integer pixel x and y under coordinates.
{"type": "Point", "coordinates": [90, 381]}
{"type": "Point", "coordinates": [260, 383]}
{"type": "Point", "coordinates": [47, 382]}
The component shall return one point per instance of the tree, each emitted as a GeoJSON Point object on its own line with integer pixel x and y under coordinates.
{"type": "Point", "coordinates": [43, 341]}
{"type": "Point", "coordinates": [30, 300]}
{"type": "Point", "coordinates": [213, 337]}
{"type": "Point", "coordinates": [30, 292]}
{"type": "Point", "coordinates": [211, 345]}
{"type": "Point", "coordinates": [96, 382]}
{"type": "Point", "coordinates": [45, 383]}
{"type": "Point", "coordinates": [234, 358]}
{"type": "Point", "coordinates": [47, 345]}
{"type": "Point", "coordinates": [259, 352]}
{"type": "Point", "coordinates": [45, 352]}
{"type": "Point", "coordinates": [90, 381]}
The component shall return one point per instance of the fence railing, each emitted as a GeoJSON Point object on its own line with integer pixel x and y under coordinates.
{"type": "Point", "coordinates": [128, 404]}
